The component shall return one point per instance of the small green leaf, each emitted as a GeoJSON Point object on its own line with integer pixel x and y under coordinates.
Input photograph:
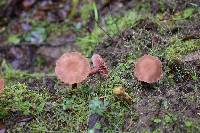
{"type": "Point", "coordinates": [95, 11]}
{"type": "Point", "coordinates": [168, 119]}
{"type": "Point", "coordinates": [98, 125]}
{"type": "Point", "coordinates": [91, 131]}
{"type": "Point", "coordinates": [157, 120]}
{"type": "Point", "coordinates": [187, 13]}
{"type": "Point", "coordinates": [15, 39]}
{"type": "Point", "coordinates": [188, 124]}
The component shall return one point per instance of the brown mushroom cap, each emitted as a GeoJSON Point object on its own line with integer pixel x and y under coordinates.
{"type": "Point", "coordinates": [1, 85]}
{"type": "Point", "coordinates": [72, 68]}
{"type": "Point", "coordinates": [100, 65]}
{"type": "Point", "coordinates": [148, 69]}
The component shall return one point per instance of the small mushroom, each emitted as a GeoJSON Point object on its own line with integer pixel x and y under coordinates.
{"type": "Point", "coordinates": [121, 93]}
{"type": "Point", "coordinates": [1, 85]}
{"type": "Point", "coordinates": [72, 68]}
{"type": "Point", "coordinates": [99, 65]}
{"type": "Point", "coordinates": [148, 69]}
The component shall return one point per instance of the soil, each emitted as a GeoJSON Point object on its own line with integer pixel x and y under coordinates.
{"type": "Point", "coordinates": [152, 97]}
{"type": "Point", "coordinates": [160, 100]}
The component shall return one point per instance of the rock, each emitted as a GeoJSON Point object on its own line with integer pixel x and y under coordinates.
{"type": "Point", "coordinates": [192, 56]}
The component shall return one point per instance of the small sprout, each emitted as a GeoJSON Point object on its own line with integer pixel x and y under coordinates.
{"type": "Point", "coordinates": [98, 106]}
{"type": "Point", "coordinates": [99, 66]}
{"type": "Point", "coordinates": [188, 124]}
{"type": "Point", "coordinates": [67, 105]}
{"type": "Point", "coordinates": [121, 93]}
{"type": "Point", "coordinates": [72, 68]}
{"type": "Point", "coordinates": [148, 69]}
{"type": "Point", "coordinates": [157, 120]}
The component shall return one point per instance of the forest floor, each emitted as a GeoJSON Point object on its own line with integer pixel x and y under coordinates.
{"type": "Point", "coordinates": [33, 35]}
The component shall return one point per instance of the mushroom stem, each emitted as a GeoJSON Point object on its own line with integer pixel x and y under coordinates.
{"type": "Point", "coordinates": [74, 86]}
{"type": "Point", "coordinates": [94, 71]}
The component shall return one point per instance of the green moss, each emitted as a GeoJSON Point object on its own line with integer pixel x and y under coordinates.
{"type": "Point", "coordinates": [185, 14]}
{"type": "Point", "coordinates": [191, 126]}
{"type": "Point", "coordinates": [10, 74]}
{"type": "Point", "coordinates": [17, 97]}
{"type": "Point", "coordinates": [51, 27]}
{"type": "Point", "coordinates": [15, 39]}
{"type": "Point", "coordinates": [89, 42]}
{"type": "Point", "coordinates": [178, 48]}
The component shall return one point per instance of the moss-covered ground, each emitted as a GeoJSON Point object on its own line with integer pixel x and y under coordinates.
{"type": "Point", "coordinates": [170, 105]}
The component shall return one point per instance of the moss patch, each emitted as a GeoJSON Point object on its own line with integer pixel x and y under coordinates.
{"type": "Point", "coordinates": [178, 48]}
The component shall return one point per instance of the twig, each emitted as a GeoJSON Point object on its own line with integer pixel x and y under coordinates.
{"type": "Point", "coordinates": [103, 30]}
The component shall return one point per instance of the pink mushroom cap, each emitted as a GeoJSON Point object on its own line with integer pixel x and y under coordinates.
{"type": "Point", "coordinates": [148, 69]}
{"type": "Point", "coordinates": [100, 65]}
{"type": "Point", "coordinates": [72, 68]}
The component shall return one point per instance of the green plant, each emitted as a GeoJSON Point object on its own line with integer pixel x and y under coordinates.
{"type": "Point", "coordinates": [178, 48]}
{"type": "Point", "coordinates": [74, 7]}
{"type": "Point", "coordinates": [188, 124]}
{"type": "Point", "coordinates": [157, 120]}
{"type": "Point", "coordinates": [97, 106]}
{"type": "Point", "coordinates": [87, 8]}
{"type": "Point", "coordinates": [169, 119]}
{"type": "Point", "coordinates": [88, 42]}
{"type": "Point", "coordinates": [15, 39]}
{"type": "Point", "coordinates": [185, 14]}
{"type": "Point", "coordinates": [17, 97]}
{"type": "Point", "coordinates": [67, 104]}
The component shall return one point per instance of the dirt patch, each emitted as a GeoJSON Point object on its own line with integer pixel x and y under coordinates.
{"type": "Point", "coordinates": [165, 105]}
{"type": "Point", "coordinates": [161, 102]}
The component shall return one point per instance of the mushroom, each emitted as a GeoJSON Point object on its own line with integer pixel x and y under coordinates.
{"type": "Point", "coordinates": [72, 68]}
{"type": "Point", "coordinates": [148, 69]}
{"type": "Point", "coordinates": [99, 65]}
{"type": "Point", "coordinates": [1, 85]}
{"type": "Point", "coordinates": [121, 93]}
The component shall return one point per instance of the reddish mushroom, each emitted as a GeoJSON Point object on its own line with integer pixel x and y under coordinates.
{"type": "Point", "coordinates": [148, 69]}
{"type": "Point", "coordinates": [72, 68]}
{"type": "Point", "coordinates": [99, 65]}
{"type": "Point", "coordinates": [1, 85]}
